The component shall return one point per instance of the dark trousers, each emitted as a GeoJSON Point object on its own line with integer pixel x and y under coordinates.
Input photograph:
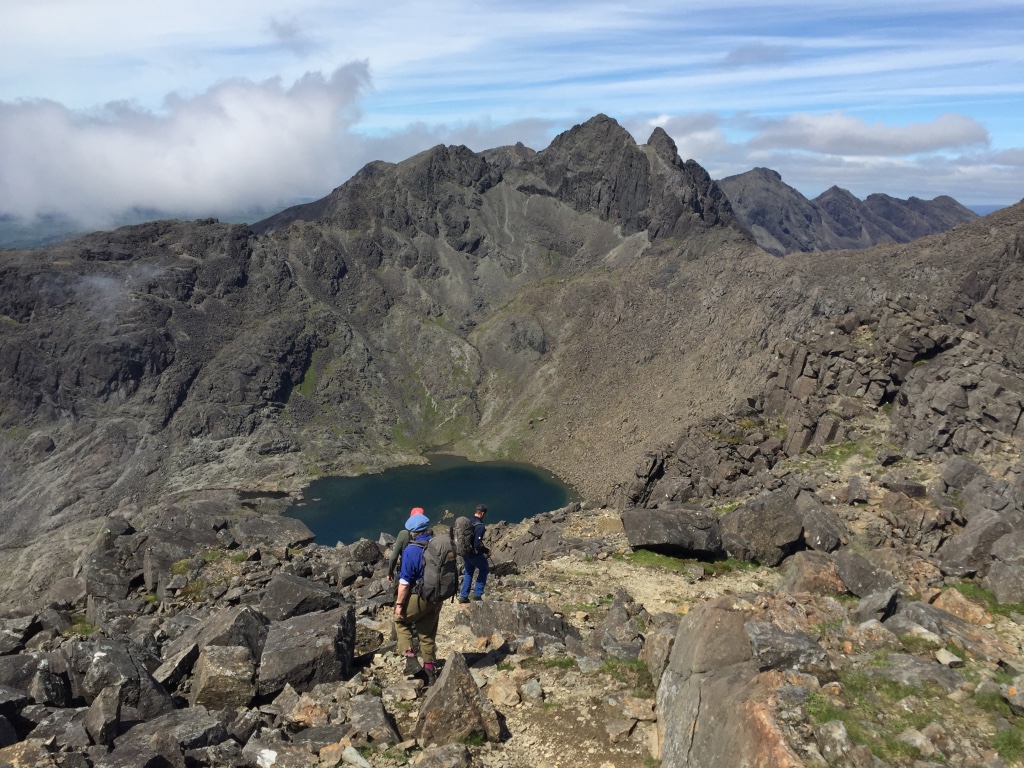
{"type": "Point", "coordinates": [474, 564]}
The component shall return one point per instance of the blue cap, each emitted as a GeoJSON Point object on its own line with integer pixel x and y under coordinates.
{"type": "Point", "coordinates": [417, 523]}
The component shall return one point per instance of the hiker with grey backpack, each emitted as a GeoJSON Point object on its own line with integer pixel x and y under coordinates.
{"type": "Point", "coordinates": [428, 576]}
{"type": "Point", "coordinates": [469, 542]}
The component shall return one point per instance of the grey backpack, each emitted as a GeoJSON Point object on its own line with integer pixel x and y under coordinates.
{"type": "Point", "coordinates": [440, 568]}
{"type": "Point", "coordinates": [464, 536]}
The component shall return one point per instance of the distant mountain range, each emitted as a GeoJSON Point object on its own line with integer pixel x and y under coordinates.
{"type": "Point", "coordinates": [784, 221]}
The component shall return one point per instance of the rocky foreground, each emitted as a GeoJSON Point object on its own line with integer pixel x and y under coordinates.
{"type": "Point", "coordinates": [831, 575]}
{"type": "Point", "coordinates": [890, 634]}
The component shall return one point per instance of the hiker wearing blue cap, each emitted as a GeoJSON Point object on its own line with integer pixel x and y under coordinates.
{"type": "Point", "coordinates": [412, 610]}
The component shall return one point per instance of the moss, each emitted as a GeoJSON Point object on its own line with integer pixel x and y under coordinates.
{"type": "Point", "coordinates": [475, 739]}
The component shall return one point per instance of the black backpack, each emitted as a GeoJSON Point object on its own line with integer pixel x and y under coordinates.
{"type": "Point", "coordinates": [440, 569]}
{"type": "Point", "coordinates": [465, 536]}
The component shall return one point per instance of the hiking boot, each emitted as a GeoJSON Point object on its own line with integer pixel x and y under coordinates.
{"type": "Point", "coordinates": [463, 600]}
{"type": "Point", "coordinates": [412, 666]}
{"type": "Point", "coordinates": [431, 673]}
{"type": "Point", "coordinates": [477, 599]}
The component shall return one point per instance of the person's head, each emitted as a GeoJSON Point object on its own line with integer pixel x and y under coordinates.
{"type": "Point", "coordinates": [417, 523]}
{"type": "Point", "coordinates": [480, 511]}
{"type": "Point", "coordinates": [417, 511]}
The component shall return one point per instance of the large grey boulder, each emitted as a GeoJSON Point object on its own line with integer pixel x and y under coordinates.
{"type": "Point", "coordinates": [859, 575]}
{"type": "Point", "coordinates": [970, 551]}
{"type": "Point", "coordinates": [711, 700]}
{"type": "Point", "coordinates": [1006, 582]}
{"type": "Point", "coordinates": [823, 529]}
{"type": "Point", "coordinates": [272, 531]}
{"type": "Point", "coordinates": [811, 572]}
{"type": "Point", "coordinates": [685, 531]}
{"type": "Point", "coordinates": [224, 678]}
{"type": "Point", "coordinates": [777, 649]}
{"type": "Point", "coordinates": [767, 529]}
{"type": "Point", "coordinates": [238, 625]}
{"type": "Point", "coordinates": [104, 716]}
{"type": "Point", "coordinates": [288, 595]}
{"type": "Point", "coordinates": [97, 664]}
{"type": "Point", "coordinates": [306, 650]}
{"type": "Point", "coordinates": [456, 709]}
{"type": "Point", "coordinates": [370, 722]}
{"type": "Point", "coordinates": [517, 620]}
{"type": "Point", "coordinates": [190, 728]}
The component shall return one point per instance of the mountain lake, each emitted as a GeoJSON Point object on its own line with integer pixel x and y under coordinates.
{"type": "Point", "coordinates": [345, 509]}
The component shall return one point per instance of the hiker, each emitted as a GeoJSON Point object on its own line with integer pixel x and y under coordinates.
{"type": "Point", "coordinates": [476, 559]}
{"type": "Point", "coordinates": [411, 610]}
{"type": "Point", "coordinates": [400, 543]}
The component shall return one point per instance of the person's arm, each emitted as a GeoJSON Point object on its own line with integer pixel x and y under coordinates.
{"type": "Point", "coordinates": [403, 596]}
{"type": "Point", "coordinates": [479, 530]}
{"type": "Point", "coordinates": [396, 552]}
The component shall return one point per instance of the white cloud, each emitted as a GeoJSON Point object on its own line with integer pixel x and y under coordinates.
{"type": "Point", "coordinates": [239, 145]}
{"type": "Point", "coordinates": [841, 134]}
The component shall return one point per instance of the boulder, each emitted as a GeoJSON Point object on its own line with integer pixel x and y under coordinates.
{"type": "Point", "coordinates": [877, 606]}
{"type": "Point", "coordinates": [190, 728]}
{"type": "Point", "coordinates": [823, 530]}
{"type": "Point", "coordinates": [859, 575]}
{"type": "Point", "coordinates": [517, 620]}
{"type": "Point", "coordinates": [287, 596]}
{"type": "Point", "coordinates": [619, 635]}
{"type": "Point", "coordinates": [306, 650]}
{"type": "Point", "coordinates": [96, 664]}
{"type": "Point", "coordinates": [104, 716]}
{"type": "Point", "coordinates": [917, 672]}
{"type": "Point", "coordinates": [456, 709]}
{"type": "Point", "coordinates": [272, 531]}
{"type": "Point", "coordinates": [445, 756]}
{"type": "Point", "coordinates": [776, 649]}
{"type": "Point", "coordinates": [812, 572]}
{"type": "Point", "coordinates": [1006, 582]}
{"type": "Point", "coordinates": [767, 529]}
{"type": "Point", "coordinates": [224, 678]}
{"type": "Point", "coordinates": [686, 531]}
{"type": "Point", "coordinates": [230, 626]}
{"type": "Point", "coordinates": [713, 704]}
{"type": "Point", "coordinates": [370, 723]}
{"type": "Point", "coordinates": [970, 551]}
{"type": "Point", "coordinates": [15, 632]}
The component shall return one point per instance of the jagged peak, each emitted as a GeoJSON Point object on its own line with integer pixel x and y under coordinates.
{"type": "Point", "coordinates": [664, 147]}
{"type": "Point", "coordinates": [599, 130]}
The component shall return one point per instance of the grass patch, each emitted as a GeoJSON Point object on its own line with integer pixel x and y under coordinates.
{"type": "Point", "coordinates": [1009, 743]}
{"type": "Point", "coordinates": [650, 559]}
{"type": "Point", "coordinates": [993, 702]}
{"type": "Point", "coordinates": [81, 627]}
{"type": "Point", "coordinates": [914, 644]}
{"type": "Point", "coordinates": [558, 662]}
{"type": "Point", "coordinates": [149, 598]}
{"type": "Point", "coordinates": [239, 557]}
{"type": "Point", "coordinates": [181, 567]}
{"type": "Point", "coordinates": [193, 590]}
{"type": "Point", "coordinates": [631, 672]}
{"type": "Point", "coordinates": [475, 739]}
{"type": "Point", "coordinates": [868, 703]}
{"type": "Point", "coordinates": [505, 666]}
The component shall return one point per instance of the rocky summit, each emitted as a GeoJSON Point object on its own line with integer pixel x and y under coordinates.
{"type": "Point", "coordinates": [784, 221]}
{"type": "Point", "coordinates": [801, 538]}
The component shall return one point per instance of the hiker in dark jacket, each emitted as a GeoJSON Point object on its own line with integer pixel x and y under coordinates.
{"type": "Point", "coordinates": [401, 541]}
{"type": "Point", "coordinates": [411, 610]}
{"type": "Point", "coordinates": [476, 561]}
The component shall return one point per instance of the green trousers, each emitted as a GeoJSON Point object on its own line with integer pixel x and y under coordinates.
{"type": "Point", "coordinates": [423, 616]}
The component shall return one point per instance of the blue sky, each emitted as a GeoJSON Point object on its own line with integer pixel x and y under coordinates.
{"type": "Point", "coordinates": [217, 107]}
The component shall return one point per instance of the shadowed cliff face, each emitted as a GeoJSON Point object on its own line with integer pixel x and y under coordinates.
{"type": "Point", "coordinates": [572, 307]}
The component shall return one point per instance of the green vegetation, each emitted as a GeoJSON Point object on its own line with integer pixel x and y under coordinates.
{"type": "Point", "coordinates": [868, 703]}
{"type": "Point", "coordinates": [81, 627]}
{"type": "Point", "coordinates": [632, 673]}
{"type": "Point", "coordinates": [559, 662]}
{"type": "Point", "coordinates": [837, 455]}
{"type": "Point", "coordinates": [1009, 743]}
{"type": "Point", "coordinates": [650, 559]}
{"type": "Point", "coordinates": [308, 384]}
{"type": "Point", "coordinates": [149, 598]}
{"type": "Point", "coordinates": [475, 739]}
{"type": "Point", "coordinates": [181, 567]}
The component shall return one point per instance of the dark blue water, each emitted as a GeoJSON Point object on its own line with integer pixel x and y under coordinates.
{"type": "Point", "coordinates": [348, 508]}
